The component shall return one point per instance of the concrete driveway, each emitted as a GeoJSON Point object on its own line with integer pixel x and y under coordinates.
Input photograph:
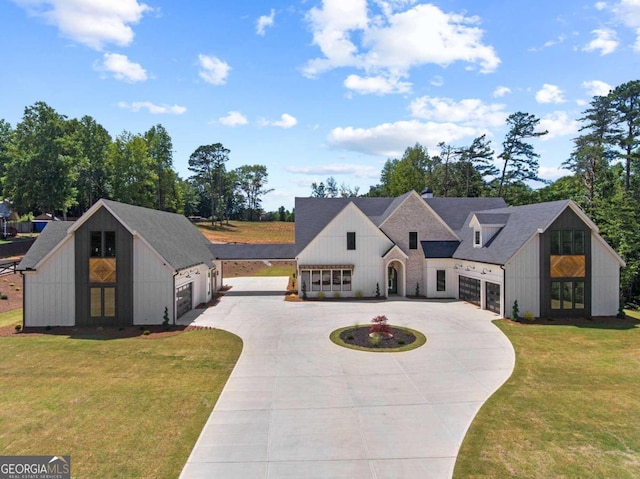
{"type": "Point", "coordinates": [298, 406]}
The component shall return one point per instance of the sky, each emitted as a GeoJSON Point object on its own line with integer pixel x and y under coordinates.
{"type": "Point", "coordinates": [311, 88]}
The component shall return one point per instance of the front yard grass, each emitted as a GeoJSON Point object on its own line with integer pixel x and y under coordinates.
{"type": "Point", "coordinates": [124, 408]}
{"type": "Point", "coordinates": [570, 409]}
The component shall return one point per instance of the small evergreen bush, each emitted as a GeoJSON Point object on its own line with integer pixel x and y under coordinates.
{"type": "Point", "coordinates": [515, 311]}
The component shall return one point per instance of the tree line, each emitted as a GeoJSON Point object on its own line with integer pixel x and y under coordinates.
{"type": "Point", "coordinates": [50, 163]}
{"type": "Point", "coordinates": [604, 165]}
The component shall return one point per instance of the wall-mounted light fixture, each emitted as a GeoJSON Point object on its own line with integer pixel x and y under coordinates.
{"type": "Point", "coordinates": [457, 266]}
{"type": "Point", "coordinates": [486, 270]}
{"type": "Point", "coordinates": [469, 268]}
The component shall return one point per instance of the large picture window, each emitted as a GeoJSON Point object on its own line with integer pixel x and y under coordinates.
{"type": "Point", "coordinates": [327, 279]}
{"type": "Point", "coordinates": [567, 242]}
{"type": "Point", "coordinates": [567, 295]}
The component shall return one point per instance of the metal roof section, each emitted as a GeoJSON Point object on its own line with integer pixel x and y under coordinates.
{"type": "Point", "coordinates": [241, 251]}
{"type": "Point", "coordinates": [439, 249]}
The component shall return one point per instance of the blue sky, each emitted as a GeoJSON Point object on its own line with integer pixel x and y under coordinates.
{"type": "Point", "coordinates": [313, 88]}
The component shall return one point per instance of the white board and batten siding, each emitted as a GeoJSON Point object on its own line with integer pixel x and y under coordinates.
{"type": "Point", "coordinates": [152, 285]}
{"type": "Point", "coordinates": [522, 274]}
{"type": "Point", "coordinates": [329, 247]}
{"type": "Point", "coordinates": [431, 268]}
{"type": "Point", "coordinates": [50, 298]}
{"type": "Point", "coordinates": [485, 273]}
{"type": "Point", "coordinates": [605, 280]}
{"type": "Point", "coordinates": [199, 283]}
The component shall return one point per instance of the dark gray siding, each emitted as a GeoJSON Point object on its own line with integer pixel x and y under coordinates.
{"type": "Point", "coordinates": [102, 220]}
{"type": "Point", "coordinates": [567, 220]}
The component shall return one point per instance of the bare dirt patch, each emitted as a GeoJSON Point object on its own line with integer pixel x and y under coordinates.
{"type": "Point", "coordinates": [11, 286]}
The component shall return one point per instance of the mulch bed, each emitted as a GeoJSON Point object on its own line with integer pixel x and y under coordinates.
{"type": "Point", "coordinates": [155, 332]}
{"type": "Point", "coordinates": [361, 338]}
{"type": "Point", "coordinates": [598, 322]}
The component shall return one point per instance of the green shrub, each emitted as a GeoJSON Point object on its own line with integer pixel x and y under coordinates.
{"type": "Point", "coordinates": [165, 319]}
{"type": "Point", "coordinates": [18, 327]}
{"type": "Point", "coordinates": [146, 332]}
{"type": "Point", "coordinates": [4, 296]}
{"type": "Point", "coordinates": [417, 289]}
{"type": "Point", "coordinates": [304, 290]}
{"type": "Point", "coordinates": [336, 294]}
{"type": "Point", "coordinates": [350, 337]}
{"type": "Point", "coordinates": [374, 340]}
{"type": "Point", "coordinates": [377, 290]}
{"type": "Point", "coordinates": [359, 294]}
{"type": "Point", "coordinates": [529, 316]}
{"type": "Point", "coordinates": [515, 311]}
{"type": "Point", "coordinates": [321, 295]}
{"type": "Point", "coordinates": [401, 342]}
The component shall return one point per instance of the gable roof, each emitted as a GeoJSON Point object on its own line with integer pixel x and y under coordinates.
{"type": "Point", "coordinates": [314, 214]}
{"type": "Point", "coordinates": [171, 235]}
{"type": "Point", "coordinates": [522, 223]}
{"type": "Point", "coordinates": [50, 237]}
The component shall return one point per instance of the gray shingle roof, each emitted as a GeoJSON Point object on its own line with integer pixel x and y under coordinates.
{"type": "Point", "coordinates": [454, 211]}
{"type": "Point", "coordinates": [253, 251]}
{"type": "Point", "coordinates": [492, 218]}
{"type": "Point", "coordinates": [313, 214]}
{"type": "Point", "coordinates": [172, 235]}
{"type": "Point", "coordinates": [53, 233]}
{"type": "Point", "coordinates": [523, 223]}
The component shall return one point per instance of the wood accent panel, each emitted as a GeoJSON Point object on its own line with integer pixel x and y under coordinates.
{"type": "Point", "coordinates": [102, 270]}
{"type": "Point", "coordinates": [568, 266]}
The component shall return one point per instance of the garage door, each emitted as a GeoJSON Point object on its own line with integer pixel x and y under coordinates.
{"type": "Point", "coordinates": [469, 290]}
{"type": "Point", "coordinates": [183, 297]}
{"type": "Point", "coordinates": [493, 297]}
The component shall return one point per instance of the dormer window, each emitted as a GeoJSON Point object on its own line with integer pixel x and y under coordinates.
{"type": "Point", "coordinates": [477, 243]}
{"type": "Point", "coordinates": [413, 240]}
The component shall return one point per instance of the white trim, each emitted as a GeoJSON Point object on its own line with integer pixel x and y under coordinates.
{"type": "Point", "coordinates": [396, 247]}
{"type": "Point", "coordinates": [351, 204]}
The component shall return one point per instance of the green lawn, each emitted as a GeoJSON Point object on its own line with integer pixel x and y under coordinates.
{"type": "Point", "coordinates": [124, 408]}
{"type": "Point", "coordinates": [570, 409]}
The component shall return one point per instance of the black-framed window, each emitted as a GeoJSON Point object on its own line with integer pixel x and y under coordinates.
{"type": "Point", "coordinates": [441, 280]}
{"type": "Point", "coordinates": [103, 244]}
{"type": "Point", "coordinates": [413, 240]}
{"type": "Point", "coordinates": [476, 238]}
{"type": "Point", "coordinates": [567, 242]}
{"type": "Point", "coordinates": [351, 240]}
{"type": "Point", "coordinates": [567, 295]}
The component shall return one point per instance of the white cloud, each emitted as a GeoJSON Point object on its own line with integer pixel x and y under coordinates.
{"type": "Point", "coordinates": [122, 68]}
{"type": "Point", "coordinates": [376, 85]}
{"type": "Point", "coordinates": [605, 41]}
{"type": "Point", "coordinates": [265, 21]}
{"type": "Point", "coordinates": [551, 173]}
{"type": "Point", "coordinates": [601, 5]}
{"type": "Point", "coordinates": [596, 87]}
{"type": "Point", "coordinates": [628, 11]}
{"type": "Point", "coordinates": [233, 118]}
{"type": "Point", "coordinates": [501, 91]}
{"type": "Point", "coordinates": [392, 43]}
{"type": "Point", "coordinates": [94, 23]}
{"type": "Point", "coordinates": [391, 139]}
{"type": "Point", "coordinates": [549, 94]}
{"type": "Point", "coordinates": [558, 124]}
{"type": "Point", "coordinates": [359, 171]}
{"type": "Point", "coordinates": [470, 111]}
{"type": "Point", "coordinates": [437, 81]}
{"type": "Point", "coordinates": [153, 108]}
{"type": "Point", "coordinates": [285, 121]}
{"type": "Point", "coordinates": [213, 70]}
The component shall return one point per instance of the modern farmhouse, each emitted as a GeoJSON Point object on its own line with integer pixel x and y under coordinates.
{"type": "Point", "coordinates": [548, 256]}
{"type": "Point", "coordinates": [118, 265]}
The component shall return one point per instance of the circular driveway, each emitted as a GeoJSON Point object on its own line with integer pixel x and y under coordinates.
{"type": "Point", "coordinates": [298, 406]}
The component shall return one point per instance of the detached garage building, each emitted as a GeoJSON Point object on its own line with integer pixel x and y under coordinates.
{"type": "Point", "coordinates": [118, 265]}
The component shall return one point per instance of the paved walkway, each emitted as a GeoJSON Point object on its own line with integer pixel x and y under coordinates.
{"type": "Point", "coordinates": [298, 406]}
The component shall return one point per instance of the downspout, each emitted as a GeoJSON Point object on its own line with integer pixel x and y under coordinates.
{"type": "Point", "coordinates": [173, 296]}
{"type": "Point", "coordinates": [504, 291]}
{"type": "Point", "coordinates": [24, 300]}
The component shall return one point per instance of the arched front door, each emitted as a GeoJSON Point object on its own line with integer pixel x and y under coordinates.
{"type": "Point", "coordinates": [393, 280]}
